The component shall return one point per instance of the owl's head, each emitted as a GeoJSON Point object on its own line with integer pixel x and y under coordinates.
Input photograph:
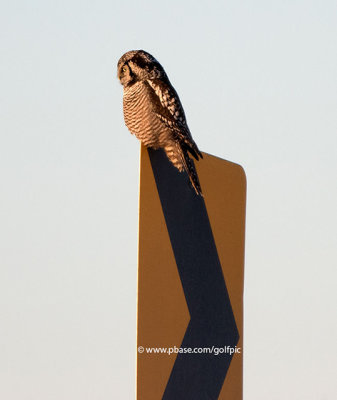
{"type": "Point", "coordinates": [138, 65]}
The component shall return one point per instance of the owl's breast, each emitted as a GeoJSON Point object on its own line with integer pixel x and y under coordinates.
{"type": "Point", "coordinates": [139, 114]}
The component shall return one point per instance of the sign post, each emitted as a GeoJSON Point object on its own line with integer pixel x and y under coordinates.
{"type": "Point", "coordinates": [190, 280]}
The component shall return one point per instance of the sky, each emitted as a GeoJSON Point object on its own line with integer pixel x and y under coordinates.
{"type": "Point", "coordinates": [257, 80]}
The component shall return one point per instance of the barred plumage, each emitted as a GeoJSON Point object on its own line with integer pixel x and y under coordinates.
{"type": "Point", "coordinates": [153, 111]}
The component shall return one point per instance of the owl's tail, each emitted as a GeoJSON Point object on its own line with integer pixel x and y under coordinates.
{"type": "Point", "coordinates": [192, 172]}
{"type": "Point", "coordinates": [178, 155]}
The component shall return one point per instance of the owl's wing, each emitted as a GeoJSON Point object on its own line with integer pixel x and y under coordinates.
{"type": "Point", "coordinates": [168, 108]}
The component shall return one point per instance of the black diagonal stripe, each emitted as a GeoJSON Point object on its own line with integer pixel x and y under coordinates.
{"type": "Point", "coordinates": [195, 376]}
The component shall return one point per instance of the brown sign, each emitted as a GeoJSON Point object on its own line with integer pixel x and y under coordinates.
{"type": "Point", "coordinates": [190, 281]}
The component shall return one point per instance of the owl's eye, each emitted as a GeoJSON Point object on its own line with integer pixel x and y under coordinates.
{"type": "Point", "coordinates": [124, 68]}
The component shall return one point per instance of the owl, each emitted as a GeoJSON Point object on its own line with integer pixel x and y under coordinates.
{"type": "Point", "coordinates": [153, 111]}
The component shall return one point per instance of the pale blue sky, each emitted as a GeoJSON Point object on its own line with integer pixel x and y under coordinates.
{"type": "Point", "coordinates": [258, 83]}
